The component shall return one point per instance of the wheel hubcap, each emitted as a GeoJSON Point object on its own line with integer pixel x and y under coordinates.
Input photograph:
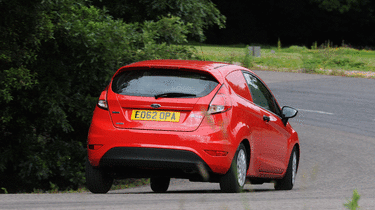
{"type": "Point", "coordinates": [241, 167]}
{"type": "Point", "coordinates": [294, 167]}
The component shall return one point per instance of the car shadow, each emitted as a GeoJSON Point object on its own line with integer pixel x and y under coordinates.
{"type": "Point", "coordinates": [196, 191]}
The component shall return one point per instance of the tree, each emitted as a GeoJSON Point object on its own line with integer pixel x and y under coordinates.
{"type": "Point", "coordinates": [201, 14]}
{"type": "Point", "coordinates": [356, 17]}
{"type": "Point", "coordinates": [295, 22]}
{"type": "Point", "coordinates": [342, 6]}
{"type": "Point", "coordinates": [55, 59]}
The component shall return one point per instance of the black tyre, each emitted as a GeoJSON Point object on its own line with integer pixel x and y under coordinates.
{"type": "Point", "coordinates": [97, 181]}
{"type": "Point", "coordinates": [234, 180]}
{"type": "Point", "coordinates": [160, 184]}
{"type": "Point", "coordinates": [289, 179]}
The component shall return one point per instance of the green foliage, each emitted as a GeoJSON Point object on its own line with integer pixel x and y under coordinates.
{"type": "Point", "coordinates": [167, 30]}
{"type": "Point", "coordinates": [5, 190]}
{"type": "Point", "coordinates": [314, 46]}
{"type": "Point", "coordinates": [295, 49]}
{"type": "Point", "coordinates": [163, 51]}
{"type": "Point", "coordinates": [54, 65]}
{"type": "Point", "coordinates": [345, 62]}
{"type": "Point", "coordinates": [270, 62]}
{"type": "Point", "coordinates": [327, 57]}
{"type": "Point", "coordinates": [54, 188]}
{"type": "Point", "coordinates": [14, 79]}
{"type": "Point", "coordinates": [353, 204]}
{"type": "Point", "coordinates": [199, 13]}
{"type": "Point", "coordinates": [297, 58]}
{"type": "Point", "coordinates": [347, 51]}
{"type": "Point", "coordinates": [231, 58]}
{"type": "Point", "coordinates": [310, 64]}
{"type": "Point", "coordinates": [338, 58]}
{"type": "Point", "coordinates": [338, 5]}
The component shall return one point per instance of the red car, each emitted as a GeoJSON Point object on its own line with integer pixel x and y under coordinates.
{"type": "Point", "coordinates": [198, 120]}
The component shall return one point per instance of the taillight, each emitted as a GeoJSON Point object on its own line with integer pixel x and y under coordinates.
{"type": "Point", "coordinates": [221, 101]}
{"type": "Point", "coordinates": [102, 102]}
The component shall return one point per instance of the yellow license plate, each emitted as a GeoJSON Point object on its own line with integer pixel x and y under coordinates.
{"type": "Point", "coordinates": [153, 115]}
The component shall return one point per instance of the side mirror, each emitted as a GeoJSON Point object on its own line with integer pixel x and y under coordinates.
{"type": "Point", "coordinates": [288, 112]}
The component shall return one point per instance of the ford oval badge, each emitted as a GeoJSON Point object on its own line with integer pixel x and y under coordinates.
{"type": "Point", "coordinates": [155, 106]}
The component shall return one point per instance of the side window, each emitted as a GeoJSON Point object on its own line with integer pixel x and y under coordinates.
{"type": "Point", "coordinates": [260, 94]}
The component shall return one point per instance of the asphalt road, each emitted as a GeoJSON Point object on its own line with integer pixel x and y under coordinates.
{"type": "Point", "coordinates": [336, 126]}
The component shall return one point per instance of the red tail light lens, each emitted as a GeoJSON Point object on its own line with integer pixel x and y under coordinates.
{"type": "Point", "coordinates": [102, 102]}
{"type": "Point", "coordinates": [221, 102]}
{"type": "Point", "coordinates": [216, 152]}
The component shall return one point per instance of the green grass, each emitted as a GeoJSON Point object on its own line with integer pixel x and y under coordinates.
{"type": "Point", "coordinates": [294, 58]}
{"type": "Point", "coordinates": [221, 53]}
{"type": "Point", "coordinates": [353, 204]}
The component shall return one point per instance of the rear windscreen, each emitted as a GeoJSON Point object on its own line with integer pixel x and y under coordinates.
{"type": "Point", "coordinates": [152, 82]}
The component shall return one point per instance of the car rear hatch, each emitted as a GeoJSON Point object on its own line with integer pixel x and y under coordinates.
{"type": "Point", "coordinates": [160, 99]}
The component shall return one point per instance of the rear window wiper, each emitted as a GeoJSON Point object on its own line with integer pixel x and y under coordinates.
{"type": "Point", "coordinates": [173, 95]}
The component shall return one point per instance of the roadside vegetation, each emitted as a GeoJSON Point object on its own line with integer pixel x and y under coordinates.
{"type": "Point", "coordinates": [353, 203]}
{"type": "Point", "coordinates": [343, 60]}
{"type": "Point", "coordinates": [55, 59]}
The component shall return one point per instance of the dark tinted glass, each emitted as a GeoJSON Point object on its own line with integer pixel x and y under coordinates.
{"type": "Point", "coordinates": [260, 94]}
{"type": "Point", "coordinates": [151, 82]}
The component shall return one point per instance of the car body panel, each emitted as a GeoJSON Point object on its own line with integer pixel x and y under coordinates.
{"type": "Point", "coordinates": [270, 142]}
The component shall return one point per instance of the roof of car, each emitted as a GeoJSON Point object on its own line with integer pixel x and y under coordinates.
{"type": "Point", "coordinates": [218, 69]}
{"type": "Point", "coordinates": [188, 64]}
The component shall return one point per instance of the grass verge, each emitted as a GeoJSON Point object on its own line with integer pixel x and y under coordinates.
{"type": "Point", "coordinates": [342, 61]}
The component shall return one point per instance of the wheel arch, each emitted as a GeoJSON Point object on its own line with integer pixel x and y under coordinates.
{"type": "Point", "coordinates": [246, 143]}
{"type": "Point", "coordinates": [298, 153]}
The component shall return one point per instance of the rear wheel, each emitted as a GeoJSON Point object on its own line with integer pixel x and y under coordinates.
{"type": "Point", "coordinates": [160, 184]}
{"type": "Point", "coordinates": [97, 181]}
{"type": "Point", "coordinates": [234, 180]}
{"type": "Point", "coordinates": [289, 179]}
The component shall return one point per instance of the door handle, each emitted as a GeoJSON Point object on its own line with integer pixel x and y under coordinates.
{"type": "Point", "coordinates": [266, 118]}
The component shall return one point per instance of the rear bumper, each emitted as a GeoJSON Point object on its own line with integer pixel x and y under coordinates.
{"type": "Point", "coordinates": [126, 162]}
{"type": "Point", "coordinates": [150, 158]}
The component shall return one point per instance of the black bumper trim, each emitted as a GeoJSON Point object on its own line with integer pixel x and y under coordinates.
{"type": "Point", "coordinates": [132, 162]}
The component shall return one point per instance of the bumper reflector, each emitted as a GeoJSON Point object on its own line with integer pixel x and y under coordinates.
{"type": "Point", "coordinates": [95, 146]}
{"type": "Point", "coordinates": [216, 152]}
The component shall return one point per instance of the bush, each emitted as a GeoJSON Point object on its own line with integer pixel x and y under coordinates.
{"type": "Point", "coordinates": [295, 49]}
{"type": "Point", "coordinates": [53, 68]}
